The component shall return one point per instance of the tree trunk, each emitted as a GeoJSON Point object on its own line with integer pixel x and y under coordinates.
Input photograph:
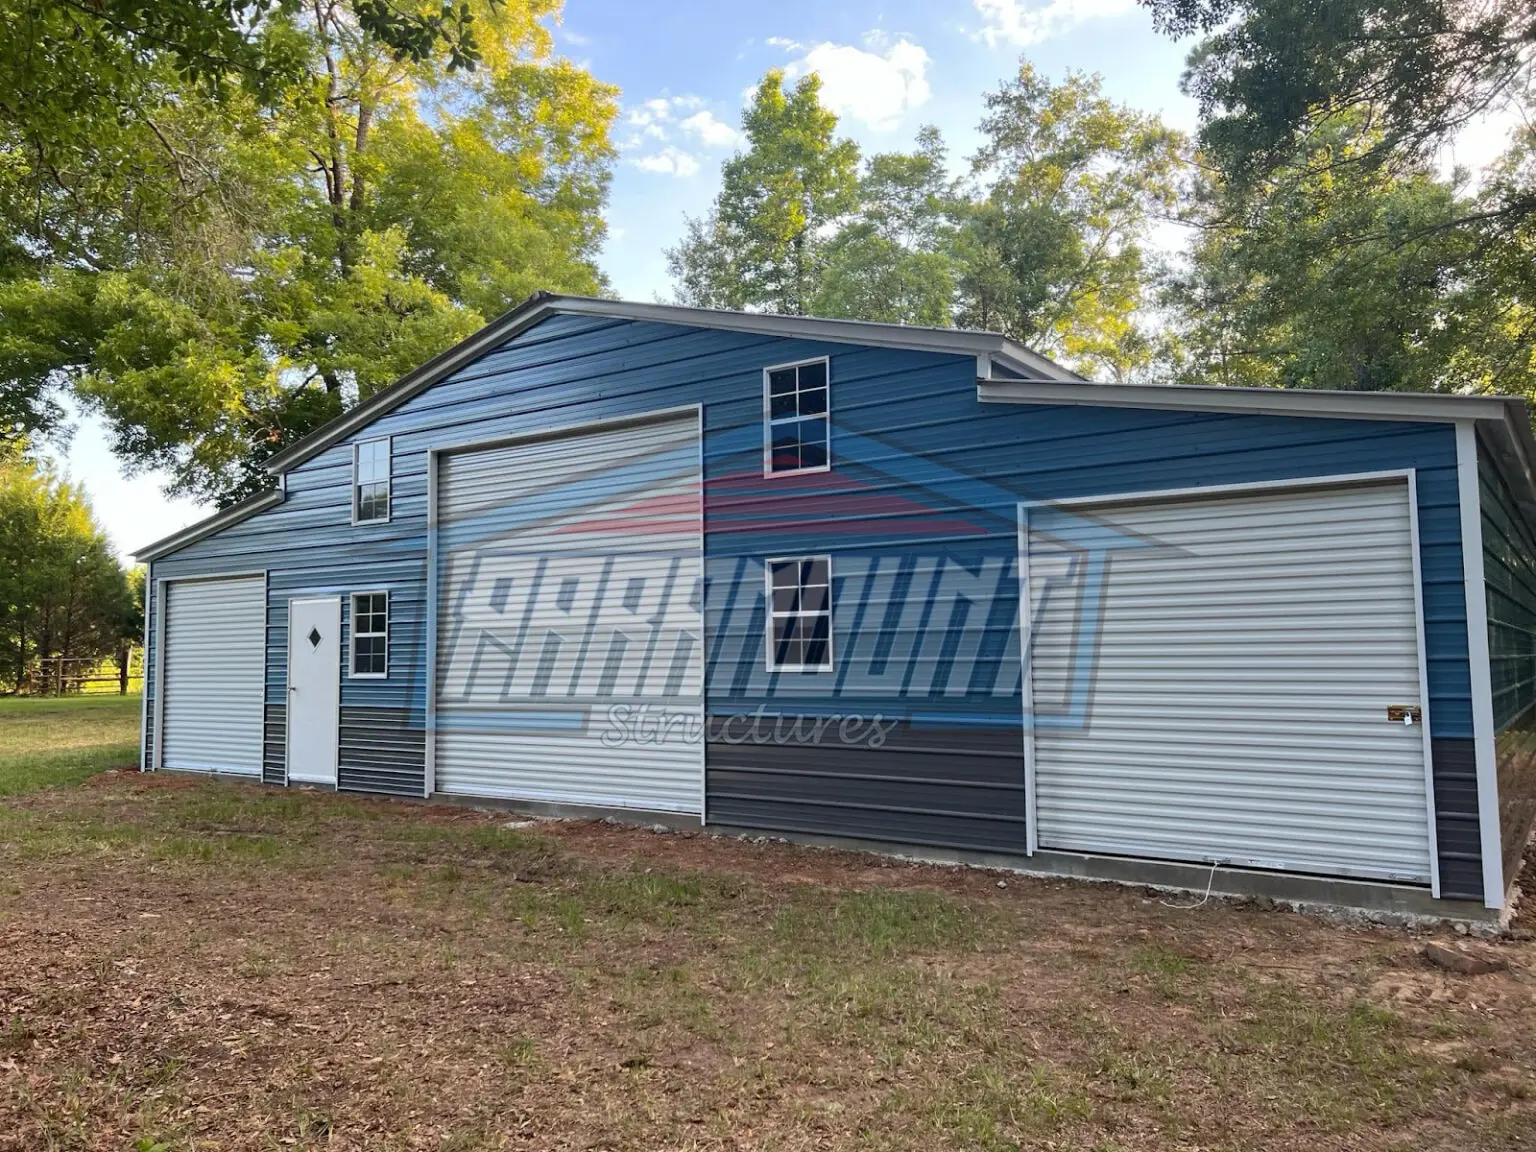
{"type": "Point", "coordinates": [360, 145]}
{"type": "Point", "coordinates": [336, 184]}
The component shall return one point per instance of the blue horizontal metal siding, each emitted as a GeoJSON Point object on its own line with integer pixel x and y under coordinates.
{"type": "Point", "coordinates": [920, 469]}
{"type": "Point", "coordinates": [566, 371]}
{"type": "Point", "coordinates": [943, 454]}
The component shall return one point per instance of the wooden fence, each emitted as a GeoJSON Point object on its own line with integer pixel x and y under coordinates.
{"type": "Point", "coordinates": [75, 676]}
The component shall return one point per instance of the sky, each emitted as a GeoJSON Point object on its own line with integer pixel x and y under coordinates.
{"type": "Point", "coordinates": [685, 68]}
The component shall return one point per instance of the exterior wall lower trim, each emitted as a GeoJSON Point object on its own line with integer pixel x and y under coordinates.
{"type": "Point", "coordinates": [1478, 656]}
{"type": "Point", "coordinates": [1391, 902]}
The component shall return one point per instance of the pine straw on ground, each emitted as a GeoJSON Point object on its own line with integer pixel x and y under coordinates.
{"type": "Point", "coordinates": [188, 964]}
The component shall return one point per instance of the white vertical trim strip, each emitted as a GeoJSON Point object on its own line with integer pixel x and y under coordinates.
{"type": "Point", "coordinates": [1026, 682]}
{"type": "Point", "coordinates": [704, 639]}
{"type": "Point", "coordinates": [1477, 655]}
{"type": "Point", "coordinates": [1418, 624]}
{"type": "Point", "coordinates": [160, 599]}
{"type": "Point", "coordinates": [144, 692]}
{"type": "Point", "coordinates": [266, 655]}
{"type": "Point", "coordinates": [429, 773]}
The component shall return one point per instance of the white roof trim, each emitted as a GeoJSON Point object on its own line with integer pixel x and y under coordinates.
{"type": "Point", "coordinates": [543, 305]}
{"type": "Point", "coordinates": [215, 523]}
{"type": "Point", "coordinates": [1414, 406]}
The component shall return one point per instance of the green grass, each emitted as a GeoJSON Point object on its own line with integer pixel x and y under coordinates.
{"type": "Point", "coordinates": [658, 992]}
{"type": "Point", "coordinates": [52, 743]}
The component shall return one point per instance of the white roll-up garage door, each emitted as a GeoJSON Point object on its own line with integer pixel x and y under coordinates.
{"type": "Point", "coordinates": [1211, 680]}
{"type": "Point", "coordinates": [214, 676]}
{"type": "Point", "coordinates": [570, 661]}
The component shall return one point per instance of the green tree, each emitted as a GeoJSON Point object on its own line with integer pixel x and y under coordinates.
{"type": "Point", "coordinates": [1046, 241]}
{"type": "Point", "coordinates": [1281, 83]}
{"type": "Point", "coordinates": [763, 245]}
{"type": "Point", "coordinates": [63, 594]}
{"type": "Point", "coordinates": [1305, 283]}
{"type": "Point", "coordinates": [894, 259]}
{"type": "Point", "coordinates": [1054, 250]}
{"type": "Point", "coordinates": [69, 69]}
{"type": "Point", "coordinates": [1270, 72]}
{"type": "Point", "coordinates": [221, 273]}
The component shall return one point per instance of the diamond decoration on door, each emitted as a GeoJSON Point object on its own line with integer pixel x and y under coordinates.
{"type": "Point", "coordinates": [314, 637]}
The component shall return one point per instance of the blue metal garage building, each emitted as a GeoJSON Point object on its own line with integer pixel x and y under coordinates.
{"type": "Point", "coordinates": [912, 587]}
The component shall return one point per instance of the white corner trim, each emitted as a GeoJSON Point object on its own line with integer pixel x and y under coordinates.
{"type": "Point", "coordinates": [429, 756]}
{"type": "Point", "coordinates": [144, 690]}
{"type": "Point", "coordinates": [1477, 655]}
{"type": "Point", "coordinates": [158, 759]}
{"type": "Point", "coordinates": [1426, 720]}
{"type": "Point", "coordinates": [1027, 685]}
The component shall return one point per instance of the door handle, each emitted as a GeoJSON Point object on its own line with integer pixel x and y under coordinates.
{"type": "Point", "coordinates": [293, 687]}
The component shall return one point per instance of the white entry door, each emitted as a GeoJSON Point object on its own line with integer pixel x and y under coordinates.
{"type": "Point", "coordinates": [314, 689]}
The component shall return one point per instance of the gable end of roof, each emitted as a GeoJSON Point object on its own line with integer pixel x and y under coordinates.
{"type": "Point", "coordinates": [541, 305]}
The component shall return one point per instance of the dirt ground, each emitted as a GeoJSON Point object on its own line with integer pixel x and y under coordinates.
{"type": "Point", "coordinates": [186, 964]}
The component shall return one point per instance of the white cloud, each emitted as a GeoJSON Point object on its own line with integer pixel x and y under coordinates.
{"type": "Point", "coordinates": [784, 42]}
{"type": "Point", "coordinates": [711, 133]}
{"type": "Point", "coordinates": [1021, 24]}
{"type": "Point", "coordinates": [669, 162]}
{"type": "Point", "coordinates": [877, 87]}
{"type": "Point", "coordinates": [661, 110]}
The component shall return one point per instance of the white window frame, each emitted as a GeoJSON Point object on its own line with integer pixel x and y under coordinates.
{"type": "Point", "coordinates": [770, 422]}
{"type": "Point", "coordinates": [353, 635]}
{"type": "Point", "coordinates": [770, 615]}
{"type": "Point", "coordinates": [389, 480]}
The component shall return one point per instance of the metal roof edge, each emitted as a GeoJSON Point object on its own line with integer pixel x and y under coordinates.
{"type": "Point", "coordinates": [1413, 406]}
{"type": "Point", "coordinates": [540, 305]}
{"type": "Point", "coordinates": [220, 520]}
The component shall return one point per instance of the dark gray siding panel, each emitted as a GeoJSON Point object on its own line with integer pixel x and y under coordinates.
{"type": "Point", "coordinates": [1456, 824]}
{"type": "Point", "coordinates": [274, 753]}
{"type": "Point", "coordinates": [381, 752]}
{"type": "Point", "coordinates": [952, 786]}
{"type": "Point", "coordinates": [1509, 576]}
